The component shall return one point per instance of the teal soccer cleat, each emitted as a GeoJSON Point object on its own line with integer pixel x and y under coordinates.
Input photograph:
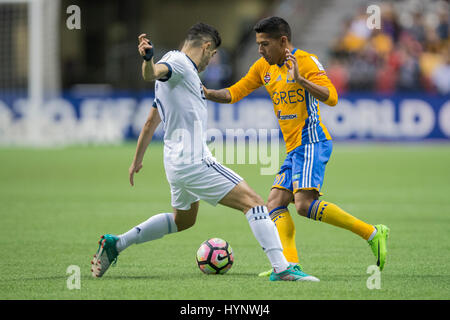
{"type": "Point", "coordinates": [293, 273]}
{"type": "Point", "coordinates": [267, 273]}
{"type": "Point", "coordinates": [105, 256]}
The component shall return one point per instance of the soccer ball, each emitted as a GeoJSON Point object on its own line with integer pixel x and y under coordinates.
{"type": "Point", "coordinates": [215, 256]}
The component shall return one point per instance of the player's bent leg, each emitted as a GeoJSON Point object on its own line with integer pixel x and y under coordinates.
{"type": "Point", "coordinates": [332, 214]}
{"type": "Point", "coordinates": [154, 228]}
{"type": "Point", "coordinates": [277, 204]}
{"type": "Point", "coordinates": [243, 198]}
{"type": "Point", "coordinates": [308, 205]}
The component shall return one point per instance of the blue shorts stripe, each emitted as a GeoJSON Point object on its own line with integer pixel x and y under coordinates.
{"type": "Point", "coordinates": [231, 173]}
{"type": "Point", "coordinates": [225, 174]}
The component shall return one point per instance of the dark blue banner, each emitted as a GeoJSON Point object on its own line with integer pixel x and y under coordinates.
{"type": "Point", "coordinates": [116, 117]}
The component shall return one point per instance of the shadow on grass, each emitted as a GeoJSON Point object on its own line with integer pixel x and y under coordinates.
{"type": "Point", "coordinates": [35, 278]}
{"type": "Point", "coordinates": [180, 277]}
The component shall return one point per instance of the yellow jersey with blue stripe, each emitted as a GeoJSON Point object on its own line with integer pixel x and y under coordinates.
{"type": "Point", "coordinates": [296, 109]}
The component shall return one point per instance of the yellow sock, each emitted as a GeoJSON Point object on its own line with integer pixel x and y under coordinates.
{"type": "Point", "coordinates": [286, 229]}
{"type": "Point", "coordinates": [330, 213]}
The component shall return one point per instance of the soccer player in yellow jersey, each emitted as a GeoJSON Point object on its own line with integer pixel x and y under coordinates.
{"type": "Point", "coordinates": [296, 82]}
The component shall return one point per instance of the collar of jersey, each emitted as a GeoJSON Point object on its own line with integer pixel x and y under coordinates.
{"type": "Point", "coordinates": [293, 51]}
{"type": "Point", "coordinates": [191, 61]}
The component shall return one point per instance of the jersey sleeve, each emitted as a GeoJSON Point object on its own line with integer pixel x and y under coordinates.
{"type": "Point", "coordinates": [313, 71]}
{"type": "Point", "coordinates": [250, 82]}
{"type": "Point", "coordinates": [175, 65]}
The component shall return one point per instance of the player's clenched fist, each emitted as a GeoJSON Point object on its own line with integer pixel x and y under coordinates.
{"type": "Point", "coordinates": [145, 48]}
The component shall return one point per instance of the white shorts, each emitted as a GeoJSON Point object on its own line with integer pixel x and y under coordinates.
{"type": "Point", "coordinates": [209, 181]}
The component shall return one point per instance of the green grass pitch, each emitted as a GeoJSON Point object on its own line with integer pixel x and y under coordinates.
{"type": "Point", "coordinates": [55, 204]}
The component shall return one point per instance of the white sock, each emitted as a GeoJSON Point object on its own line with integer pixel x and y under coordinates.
{"type": "Point", "coordinates": [373, 234]}
{"type": "Point", "coordinates": [154, 228]}
{"type": "Point", "coordinates": [266, 233]}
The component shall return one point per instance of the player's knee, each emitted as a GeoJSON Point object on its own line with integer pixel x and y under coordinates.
{"type": "Point", "coordinates": [302, 207]}
{"type": "Point", "coordinates": [184, 224]}
{"type": "Point", "coordinates": [185, 219]}
{"type": "Point", "coordinates": [276, 202]}
{"type": "Point", "coordinates": [252, 199]}
{"type": "Point", "coordinates": [304, 199]}
{"type": "Point", "coordinates": [272, 204]}
{"type": "Point", "coordinates": [255, 200]}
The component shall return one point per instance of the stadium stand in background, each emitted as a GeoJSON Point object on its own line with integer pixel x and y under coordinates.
{"type": "Point", "coordinates": [410, 52]}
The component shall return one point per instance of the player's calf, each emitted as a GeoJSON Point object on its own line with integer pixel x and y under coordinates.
{"type": "Point", "coordinates": [242, 198]}
{"type": "Point", "coordinates": [184, 219]}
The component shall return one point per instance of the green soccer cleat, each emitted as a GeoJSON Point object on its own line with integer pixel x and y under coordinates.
{"type": "Point", "coordinates": [378, 244]}
{"type": "Point", "coordinates": [265, 273]}
{"type": "Point", "coordinates": [105, 256]}
{"type": "Point", "coordinates": [293, 273]}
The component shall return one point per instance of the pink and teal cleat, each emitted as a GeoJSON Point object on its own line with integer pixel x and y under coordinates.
{"type": "Point", "coordinates": [106, 255]}
{"type": "Point", "coordinates": [293, 273]}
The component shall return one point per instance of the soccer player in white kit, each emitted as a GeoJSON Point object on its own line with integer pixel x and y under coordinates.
{"type": "Point", "coordinates": [191, 170]}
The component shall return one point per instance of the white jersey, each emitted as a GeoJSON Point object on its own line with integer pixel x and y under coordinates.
{"type": "Point", "coordinates": [181, 105]}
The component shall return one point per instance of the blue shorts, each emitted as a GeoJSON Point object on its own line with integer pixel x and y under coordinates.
{"type": "Point", "coordinates": [304, 167]}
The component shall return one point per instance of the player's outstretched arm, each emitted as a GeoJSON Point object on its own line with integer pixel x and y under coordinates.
{"type": "Point", "coordinates": [250, 82]}
{"type": "Point", "coordinates": [145, 137]}
{"type": "Point", "coordinates": [150, 70]}
{"type": "Point", "coordinates": [221, 96]}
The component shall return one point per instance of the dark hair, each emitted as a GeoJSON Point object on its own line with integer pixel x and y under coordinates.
{"type": "Point", "coordinates": [201, 32]}
{"type": "Point", "coordinates": [275, 27]}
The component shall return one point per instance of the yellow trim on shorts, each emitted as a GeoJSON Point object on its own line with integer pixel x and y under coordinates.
{"type": "Point", "coordinates": [280, 187]}
{"type": "Point", "coordinates": [313, 188]}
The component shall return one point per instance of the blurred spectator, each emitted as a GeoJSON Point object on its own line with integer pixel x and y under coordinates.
{"type": "Point", "coordinates": [442, 28]}
{"type": "Point", "coordinates": [409, 72]}
{"type": "Point", "coordinates": [441, 74]}
{"type": "Point", "coordinates": [382, 43]}
{"type": "Point", "coordinates": [218, 73]}
{"type": "Point", "coordinates": [408, 53]}
{"type": "Point", "coordinates": [389, 21]}
{"type": "Point", "coordinates": [417, 29]}
{"type": "Point", "coordinates": [338, 74]}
